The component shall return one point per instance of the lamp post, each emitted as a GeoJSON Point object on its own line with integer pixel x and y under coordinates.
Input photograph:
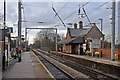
{"type": "Point", "coordinates": [101, 21]}
{"type": "Point", "coordinates": [56, 38]}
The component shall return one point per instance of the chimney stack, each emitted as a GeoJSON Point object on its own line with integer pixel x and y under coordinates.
{"type": "Point", "coordinates": [80, 25]}
{"type": "Point", "coordinates": [93, 24]}
{"type": "Point", "coordinates": [75, 26]}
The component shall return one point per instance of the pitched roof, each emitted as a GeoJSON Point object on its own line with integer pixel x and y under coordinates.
{"type": "Point", "coordinates": [78, 32]}
{"type": "Point", "coordinates": [76, 36]}
{"type": "Point", "coordinates": [72, 40]}
{"type": "Point", "coordinates": [65, 41]}
{"type": "Point", "coordinates": [78, 40]}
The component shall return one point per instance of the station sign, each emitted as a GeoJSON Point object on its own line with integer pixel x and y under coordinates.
{"type": "Point", "coordinates": [88, 40]}
{"type": "Point", "coordinates": [9, 29]}
{"type": "Point", "coordinates": [18, 38]}
{"type": "Point", "coordinates": [22, 35]}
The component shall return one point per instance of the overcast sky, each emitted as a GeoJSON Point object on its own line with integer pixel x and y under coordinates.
{"type": "Point", "coordinates": [41, 11]}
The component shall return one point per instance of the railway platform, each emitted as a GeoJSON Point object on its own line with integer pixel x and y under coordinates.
{"type": "Point", "coordinates": [29, 68]}
{"type": "Point", "coordinates": [94, 59]}
{"type": "Point", "coordinates": [106, 66]}
{"type": "Point", "coordinates": [98, 60]}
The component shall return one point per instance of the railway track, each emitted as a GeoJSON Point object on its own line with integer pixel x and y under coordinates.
{"type": "Point", "coordinates": [54, 70]}
{"type": "Point", "coordinates": [93, 73]}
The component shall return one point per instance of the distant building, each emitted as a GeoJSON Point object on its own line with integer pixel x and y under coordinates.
{"type": "Point", "coordinates": [79, 40]}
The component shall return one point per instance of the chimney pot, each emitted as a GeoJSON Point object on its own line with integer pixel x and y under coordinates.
{"type": "Point", "coordinates": [75, 26]}
{"type": "Point", "coordinates": [80, 25]}
{"type": "Point", "coordinates": [93, 24]}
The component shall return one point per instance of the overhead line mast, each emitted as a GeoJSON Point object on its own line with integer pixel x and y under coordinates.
{"type": "Point", "coordinates": [4, 23]}
{"type": "Point", "coordinates": [86, 15]}
{"type": "Point", "coordinates": [113, 32]}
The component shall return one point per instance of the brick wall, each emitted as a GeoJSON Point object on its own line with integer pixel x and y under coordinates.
{"type": "Point", "coordinates": [106, 53]}
{"type": "Point", "coordinates": [1, 45]}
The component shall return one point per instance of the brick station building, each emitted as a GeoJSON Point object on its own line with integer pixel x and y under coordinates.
{"type": "Point", "coordinates": [81, 40]}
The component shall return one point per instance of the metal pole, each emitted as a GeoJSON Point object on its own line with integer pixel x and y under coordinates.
{"type": "Point", "coordinates": [113, 32]}
{"type": "Point", "coordinates": [19, 30]}
{"type": "Point", "coordinates": [26, 38]}
{"type": "Point", "coordinates": [8, 53]}
{"type": "Point", "coordinates": [41, 44]}
{"type": "Point", "coordinates": [4, 32]}
{"type": "Point", "coordinates": [41, 41]}
{"type": "Point", "coordinates": [101, 20]}
{"type": "Point", "coordinates": [56, 39]}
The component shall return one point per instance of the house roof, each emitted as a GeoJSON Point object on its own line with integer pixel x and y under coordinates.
{"type": "Point", "coordinates": [72, 41]}
{"type": "Point", "coordinates": [76, 36]}
{"type": "Point", "coordinates": [65, 41]}
{"type": "Point", "coordinates": [84, 31]}
{"type": "Point", "coordinates": [78, 32]}
{"type": "Point", "coordinates": [78, 40]}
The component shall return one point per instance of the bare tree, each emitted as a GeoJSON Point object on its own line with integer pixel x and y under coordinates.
{"type": "Point", "coordinates": [45, 39]}
{"type": "Point", "coordinates": [107, 41]}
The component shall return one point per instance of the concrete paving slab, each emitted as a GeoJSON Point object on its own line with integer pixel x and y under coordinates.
{"type": "Point", "coordinates": [29, 67]}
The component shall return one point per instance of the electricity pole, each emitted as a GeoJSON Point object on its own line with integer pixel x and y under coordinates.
{"type": "Point", "coordinates": [113, 32]}
{"type": "Point", "coordinates": [19, 30]}
{"type": "Point", "coordinates": [4, 32]}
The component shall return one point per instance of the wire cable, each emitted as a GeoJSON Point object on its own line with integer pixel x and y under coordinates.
{"type": "Point", "coordinates": [76, 10]}
{"type": "Point", "coordinates": [62, 8]}
{"type": "Point", "coordinates": [58, 16]}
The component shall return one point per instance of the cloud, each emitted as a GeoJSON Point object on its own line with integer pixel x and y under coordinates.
{"type": "Point", "coordinates": [60, 0]}
{"type": "Point", "coordinates": [11, 12]}
{"type": "Point", "coordinates": [42, 12]}
{"type": "Point", "coordinates": [1, 12]}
